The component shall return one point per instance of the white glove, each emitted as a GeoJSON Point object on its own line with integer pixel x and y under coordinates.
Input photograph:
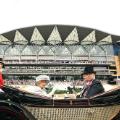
{"type": "Point", "coordinates": [1, 90]}
{"type": "Point", "coordinates": [53, 91]}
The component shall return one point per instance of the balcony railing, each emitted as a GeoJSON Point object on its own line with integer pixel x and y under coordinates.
{"type": "Point", "coordinates": [59, 62]}
{"type": "Point", "coordinates": [51, 72]}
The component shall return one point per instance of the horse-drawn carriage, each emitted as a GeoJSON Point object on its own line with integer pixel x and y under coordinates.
{"type": "Point", "coordinates": [16, 104]}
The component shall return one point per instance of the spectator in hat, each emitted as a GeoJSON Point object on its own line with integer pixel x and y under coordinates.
{"type": "Point", "coordinates": [91, 85]}
{"type": "Point", "coordinates": [41, 82]}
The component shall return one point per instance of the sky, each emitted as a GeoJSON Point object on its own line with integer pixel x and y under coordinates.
{"type": "Point", "coordinates": [103, 15]}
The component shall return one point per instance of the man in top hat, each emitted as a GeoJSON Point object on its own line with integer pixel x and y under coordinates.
{"type": "Point", "coordinates": [91, 85]}
{"type": "Point", "coordinates": [41, 82]}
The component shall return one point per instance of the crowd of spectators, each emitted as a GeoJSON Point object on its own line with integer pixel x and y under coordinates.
{"type": "Point", "coordinates": [54, 82]}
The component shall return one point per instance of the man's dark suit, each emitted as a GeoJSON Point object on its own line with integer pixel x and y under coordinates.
{"type": "Point", "coordinates": [93, 89]}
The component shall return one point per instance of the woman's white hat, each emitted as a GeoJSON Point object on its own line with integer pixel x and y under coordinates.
{"type": "Point", "coordinates": [42, 77]}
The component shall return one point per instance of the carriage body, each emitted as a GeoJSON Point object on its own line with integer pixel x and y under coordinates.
{"type": "Point", "coordinates": [104, 106]}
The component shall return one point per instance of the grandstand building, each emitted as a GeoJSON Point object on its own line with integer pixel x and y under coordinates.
{"type": "Point", "coordinates": [60, 51]}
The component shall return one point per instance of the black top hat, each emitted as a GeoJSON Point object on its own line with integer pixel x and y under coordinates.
{"type": "Point", "coordinates": [88, 70]}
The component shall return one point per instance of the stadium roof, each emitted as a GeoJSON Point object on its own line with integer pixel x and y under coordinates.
{"type": "Point", "coordinates": [57, 34]}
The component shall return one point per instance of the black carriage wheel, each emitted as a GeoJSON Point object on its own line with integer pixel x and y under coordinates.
{"type": "Point", "coordinates": [10, 114]}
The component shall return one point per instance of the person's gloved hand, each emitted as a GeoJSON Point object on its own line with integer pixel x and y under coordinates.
{"type": "Point", "coordinates": [53, 91]}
